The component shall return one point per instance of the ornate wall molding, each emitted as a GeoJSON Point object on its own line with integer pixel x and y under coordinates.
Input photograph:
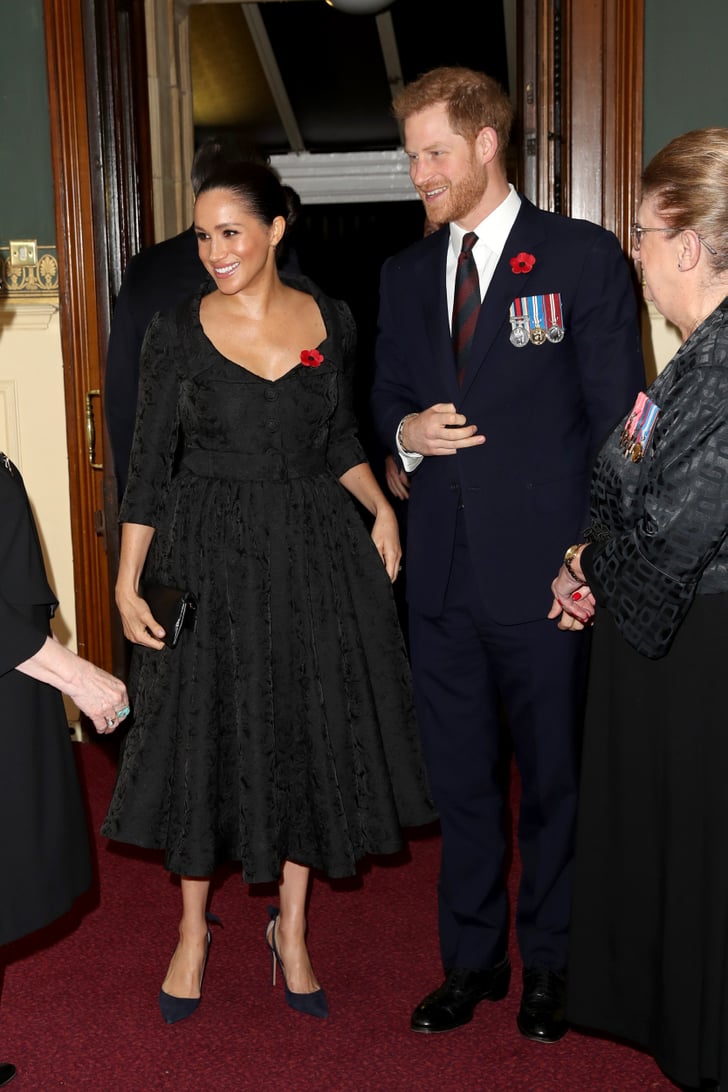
{"type": "Point", "coordinates": [29, 282]}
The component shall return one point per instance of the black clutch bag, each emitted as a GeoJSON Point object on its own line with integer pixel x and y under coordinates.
{"type": "Point", "coordinates": [173, 608]}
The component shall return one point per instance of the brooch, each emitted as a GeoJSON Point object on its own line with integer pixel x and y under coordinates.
{"type": "Point", "coordinates": [311, 358]}
{"type": "Point", "coordinates": [523, 262]}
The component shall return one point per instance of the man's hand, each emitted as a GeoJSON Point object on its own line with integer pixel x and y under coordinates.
{"type": "Point", "coordinates": [397, 480]}
{"type": "Point", "coordinates": [439, 430]}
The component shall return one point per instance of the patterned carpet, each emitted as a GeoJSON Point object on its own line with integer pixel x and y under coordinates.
{"type": "Point", "coordinates": [79, 1003]}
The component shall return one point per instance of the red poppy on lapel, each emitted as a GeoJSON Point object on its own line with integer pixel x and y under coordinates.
{"type": "Point", "coordinates": [311, 358]}
{"type": "Point", "coordinates": [523, 263]}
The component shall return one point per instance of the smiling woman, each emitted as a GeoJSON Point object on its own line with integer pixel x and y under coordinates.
{"type": "Point", "coordinates": [291, 698]}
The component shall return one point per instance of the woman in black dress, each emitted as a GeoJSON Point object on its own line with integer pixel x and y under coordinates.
{"type": "Point", "coordinates": [279, 732]}
{"type": "Point", "coordinates": [44, 850]}
{"type": "Point", "coordinates": [649, 939]}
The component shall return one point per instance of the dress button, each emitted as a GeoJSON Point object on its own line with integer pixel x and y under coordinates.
{"type": "Point", "coordinates": [271, 425]}
{"type": "Point", "coordinates": [271, 394]}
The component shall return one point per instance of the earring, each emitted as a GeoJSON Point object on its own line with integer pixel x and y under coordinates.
{"type": "Point", "coordinates": [679, 266]}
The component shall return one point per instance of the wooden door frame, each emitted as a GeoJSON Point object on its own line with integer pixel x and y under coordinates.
{"type": "Point", "coordinates": [79, 320]}
{"type": "Point", "coordinates": [96, 63]}
{"type": "Point", "coordinates": [589, 58]}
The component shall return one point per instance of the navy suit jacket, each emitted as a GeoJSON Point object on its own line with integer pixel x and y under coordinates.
{"type": "Point", "coordinates": [544, 410]}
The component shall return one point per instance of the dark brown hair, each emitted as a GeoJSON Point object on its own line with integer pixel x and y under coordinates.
{"type": "Point", "coordinates": [473, 100]}
{"type": "Point", "coordinates": [687, 181]}
{"type": "Point", "coordinates": [258, 188]}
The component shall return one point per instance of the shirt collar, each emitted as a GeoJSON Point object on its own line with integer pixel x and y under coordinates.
{"type": "Point", "coordinates": [494, 229]}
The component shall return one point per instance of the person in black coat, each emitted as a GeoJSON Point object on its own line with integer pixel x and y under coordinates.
{"type": "Point", "coordinates": [648, 946]}
{"type": "Point", "coordinates": [44, 853]}
{"type": "Point", "coordinates": [499, 448]}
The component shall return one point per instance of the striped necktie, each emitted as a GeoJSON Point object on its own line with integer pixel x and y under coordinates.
{"type": "Point", "coordinates": [466, 303]}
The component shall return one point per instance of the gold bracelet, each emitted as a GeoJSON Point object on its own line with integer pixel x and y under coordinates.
{"type": "Point", "coordinates": [569, 557]}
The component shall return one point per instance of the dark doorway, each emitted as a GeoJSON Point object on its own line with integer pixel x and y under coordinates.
{"type": "Point", "coordinates": [342, 248]}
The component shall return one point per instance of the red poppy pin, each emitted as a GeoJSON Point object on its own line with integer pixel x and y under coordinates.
{"type": "Point", "coordinates": [311, 358]}
{"type": "Point", "coordinates": [523, 263]}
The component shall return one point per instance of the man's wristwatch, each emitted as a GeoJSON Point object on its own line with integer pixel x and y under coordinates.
{"type": "Point", "coordinates": [569, 557]}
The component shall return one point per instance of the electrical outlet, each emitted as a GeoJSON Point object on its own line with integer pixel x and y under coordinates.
{"type": "Point", "coordinates": [23, 252]}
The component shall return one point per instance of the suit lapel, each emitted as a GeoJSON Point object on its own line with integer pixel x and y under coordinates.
{"type": "Point", "coordinates": [526, 234]}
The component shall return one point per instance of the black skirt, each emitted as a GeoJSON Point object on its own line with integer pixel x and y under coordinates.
{"type": "Point", "coordinates": [649, 939]}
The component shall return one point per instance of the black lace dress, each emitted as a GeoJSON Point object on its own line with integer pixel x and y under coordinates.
{"type": "Point", "coordinates": [282, 727]}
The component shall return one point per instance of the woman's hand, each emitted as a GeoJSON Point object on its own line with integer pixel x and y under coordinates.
{"type": "Point", "coordinates": [573, 604]}
{"type": "Point", "coordinates": [101, 696]}
{"type": "Point", "coordinates": [140, 625]}
{"type": "Point", "coordinates": [362, 484]}
{"type": "Point", "coordinates": [385, 536]}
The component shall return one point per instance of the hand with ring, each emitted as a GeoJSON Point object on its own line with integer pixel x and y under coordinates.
{"type": "Point", "coordinates": [120, 713]}
{"type": "Point", "coordinates": [101, 696]}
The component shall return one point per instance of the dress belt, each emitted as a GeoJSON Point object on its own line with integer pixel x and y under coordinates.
{"type": "Point", "coordinates": [273, 466]}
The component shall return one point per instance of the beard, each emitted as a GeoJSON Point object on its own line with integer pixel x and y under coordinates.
{"type": "Point", "coordinates": [460, 198]}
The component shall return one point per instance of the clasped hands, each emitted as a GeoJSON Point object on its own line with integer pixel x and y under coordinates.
{"type": "Point", "coordinates": [573, 601]}
{"type": "Point", "coordinates": [439, 430]}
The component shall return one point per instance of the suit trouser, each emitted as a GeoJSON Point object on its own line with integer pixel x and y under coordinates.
{"type": "Point", "coordinates": [469, 671]}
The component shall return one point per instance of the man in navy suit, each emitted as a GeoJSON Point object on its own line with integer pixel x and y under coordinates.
{"type": "Point", "coordinates": [499, 448]}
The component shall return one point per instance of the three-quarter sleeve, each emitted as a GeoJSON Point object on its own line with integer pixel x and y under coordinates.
{"type": "Point", "coordinates": [344, 449]}
{"type": "Point", "coordinates": [156, 426]}
{"type": "Point", "coordinates": [19, 637]}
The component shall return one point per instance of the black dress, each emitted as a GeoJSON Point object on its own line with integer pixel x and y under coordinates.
{"type": "Point", "coordinates": [649, 937]}
{"type": "Point", "coordinates": [44, 848]}
{"type": "Point", "coordinates": [282, 727]}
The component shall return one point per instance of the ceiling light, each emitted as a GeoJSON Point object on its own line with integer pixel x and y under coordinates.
{"type": "Point", "coordinates": [360, 7]}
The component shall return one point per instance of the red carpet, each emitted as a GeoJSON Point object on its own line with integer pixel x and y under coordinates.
{"type": "Point", "coordinates": [79, 1003]}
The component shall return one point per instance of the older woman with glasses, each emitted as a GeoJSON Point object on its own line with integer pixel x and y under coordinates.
{"type": "Point", "coordinates": [649, 941]}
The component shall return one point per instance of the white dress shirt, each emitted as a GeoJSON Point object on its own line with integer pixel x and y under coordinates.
{"type": "Point", "coordinates": [492, 234]}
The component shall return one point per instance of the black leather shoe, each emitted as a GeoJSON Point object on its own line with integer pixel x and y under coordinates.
{"type": "Point", "coordinates": [453, 1003]}
{"type": "Point", "coordinates": [7, 1072]}
{"type": "Point", "coordinates": [542, 1015]}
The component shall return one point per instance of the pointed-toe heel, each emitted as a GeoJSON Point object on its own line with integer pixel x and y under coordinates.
{"type": "Point", "coordinates": [174, 1009]}
{"type": "Point", "coordinates": [310, 1004]}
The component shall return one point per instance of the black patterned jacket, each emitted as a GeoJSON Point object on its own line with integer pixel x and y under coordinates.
{"type": "Point", "coordinates": [660, 525]}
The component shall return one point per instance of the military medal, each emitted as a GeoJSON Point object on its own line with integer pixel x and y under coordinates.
{"type": "Point", "coordinates": [519, 324]}
{"type": "Point", "coordinates": [554, 320]}
{"type": "Point", "coordinates": [638, 428]}
{"type": "Point", "coordinates": [538, 323]}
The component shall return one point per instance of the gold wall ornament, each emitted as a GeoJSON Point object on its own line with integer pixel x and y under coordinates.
{"type": "Point", "coordinates": [29, 282]}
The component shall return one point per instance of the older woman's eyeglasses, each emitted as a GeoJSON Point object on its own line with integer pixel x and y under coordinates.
{"type": "Point", "coordinates": [638, 231]}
